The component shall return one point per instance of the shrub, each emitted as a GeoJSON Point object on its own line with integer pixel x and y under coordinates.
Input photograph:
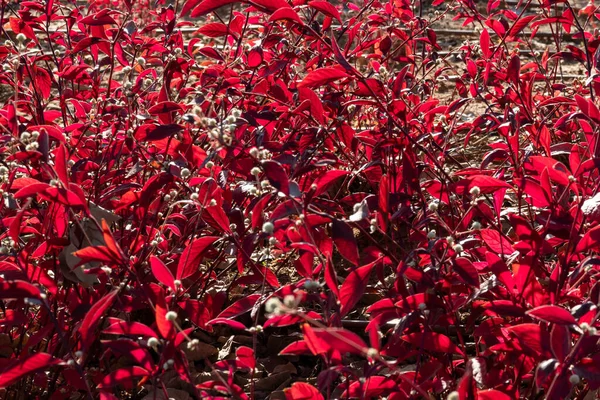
{"type": "Point", "coordinates": [302, 200]}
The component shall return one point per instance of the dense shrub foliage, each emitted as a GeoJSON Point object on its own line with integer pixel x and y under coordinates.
{"type": "Point", "coordinates": [299, 199]}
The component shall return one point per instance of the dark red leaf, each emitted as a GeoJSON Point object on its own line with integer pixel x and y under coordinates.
{"type": "Point", "coordinates": [354, 287]}
{"type": "Point", "coordinates": [326, 8]}
{"type": "Point", "coordinates": [343, 237]}
{"type": "Point", "coordinates": [17, 369]}
{"type": "Point", "coordinates": [93, 318]}
{"type": "Point", "coordinates": [189, 261]}
{"type": "Point", "coordinates": [277, 176]}
{"type": "Point", "coordinates": [432, 341]}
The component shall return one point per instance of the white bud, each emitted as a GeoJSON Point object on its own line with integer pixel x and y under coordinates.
{"type": "Point", "coordinates": [431, 234]}
{"type": "Point", "coordinates": [453, 396]}
{"type": "Point", "coordinates": [433, 206]}
{"type": "Point", "coordinates": [475, 191]}
{"type": "Point", "coordinates": [372, 352]}
{"type": "Point", "coordinates": [476, 226]}
{"type": "Point", "coordinates": [254, 152]}
{"type": "Point", "coordinates": [171, 316]}
{"type": "Point", "coordinates": [194, 196]}
{"type": "Point", "coordinates": [273, 305]}
{"type": "Point", "coordinates": [268, 228]}
{"type": "Point", "coordinates": [153, 342]}
{"type": "Point", "coordinates": [290, 301]}
{"type": "Point", "coordinates": [21, 38]}
{"type": "Point", "coordinates": [185, 173]}
{"type": "Point", "coordinates": [255, 171]}
{"type": "Point", "coordinates": [457, 248]}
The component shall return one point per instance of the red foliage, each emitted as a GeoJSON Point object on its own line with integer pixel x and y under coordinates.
{"type": "Point", "coordinates": [421, 219]}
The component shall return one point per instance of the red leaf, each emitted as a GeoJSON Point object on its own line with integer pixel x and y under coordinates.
{"type": "Point", "coordinates": [19, 368]}
{"type": "Point", "coordinates": [63, 196]}
{"type": "Point", "coordinates": [93, 318]}
{"type": "Point", "coordinates": [327, 179]}
{"type": "Point", "coordinates": [514, 69]}
{"type": "Point", "coordinates": [326, 340]}
{"type": "Point", "coordinates": [484, 43]}
{"type": "Point", "coordinates": [162, 273]}
{"type": "Point", "coordinates": [590, 240]}
{"type": "Point", "coordinates": [42, 81]}
{"type": "Point", "coordinates": [500, 269]}
{"type": "Point", "coordinates": [371, 388]}
{"type": "Point", "coordinates": [520, 25]}
{"type": "Point", "coordinates": [18, 290]}
{"type": "Point", "coordinates": [322, 77]}
{"type": "Point", "coordinates": [286, 13]}
{"type": "Point", "coordinates": [326, 8]}
{"type": "Point", "coordinates": [497, 243]}
{"type": "Point", "coordinates": [120, 327]}
{"type": "Point", "coordinates": [486, 184]}
{"type": "Point", "coordinates": [98, 19]}
{"type": "Point", "coordinates": [190, 258]}
{"type": "Point", "coordinates": [302, 391]}
{"type": "Point", "coordinates": [241, 306]}
{"type": "Point", "coordinates": [466, 271]}
{"type": "Point", "coordinates": [255, 56]}
{"type": "Point", "coordinates": [207, 6]}
{"type": "Point", "coordinates": [532, 337]}
{"type": "Point", "coordinates": [432, 341]}
{"type": "Point", "coordinates": [353, 287]}
{"type": "Point", "coordinates": [60, 164]}
{"type": "Point", "coordinates": [164, 107]}
{"type": "Point", "coordinates": [123, 376]}
{"type": "Point", "coordinates": [344, 240]}
{"type": "Point", "coordinates": [316, 106]}
{"type": "Point", "coordinates": [245, 357]}
{"type": "Point", "coordinates": [152, 132]}
{"type": "Point", "coordinates": [31, 189]}
{"type": "Point", "coordinates": [271, 5]}
{"type": "Point", "coordinates": [553, 314]}
{"type": "Point", "coordinates": [492, 394]}
{"type": "Point", "coordinates": [165, 327]}
{"type": "Point", "coordinates": [87, 42]}
{"type": "Point", "coordinates": [215, 216]}
{"type": "Point", "coordinates": [214, 30]}
{"type": "Point", "coordinates": [277, 176]}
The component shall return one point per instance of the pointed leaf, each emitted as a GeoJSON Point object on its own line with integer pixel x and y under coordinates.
{"type": "Point", "coordinates": [343, 237]}
{"type": "Point", "coordinates": [553, 314]}
{"type": "Point", "coordinates": [190, 258]}
{"type": "Point", "coordinates": [17, 369]}
{"type": "Point", "coordinates": [322, 77]}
